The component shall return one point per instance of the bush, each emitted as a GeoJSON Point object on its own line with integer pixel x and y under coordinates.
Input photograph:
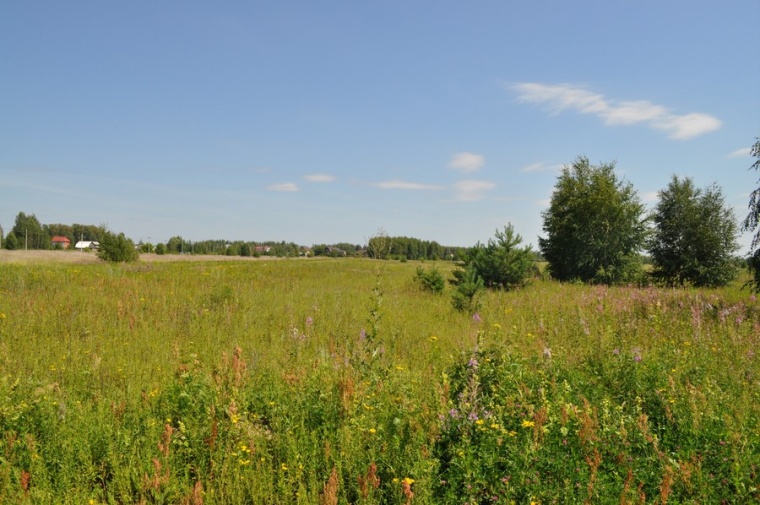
{"type": "Point", "coordinates": [430, 280]}
{"type": "Point", "coordinates": [501, 263]}
{"type": "Point", "coordinates": [117, 248]}
{"type": "Point", "coordinates": [469, 285]}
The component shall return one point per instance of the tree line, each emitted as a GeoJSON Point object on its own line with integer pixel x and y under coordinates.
{"type": "Point", "coordinates": [597, 231]}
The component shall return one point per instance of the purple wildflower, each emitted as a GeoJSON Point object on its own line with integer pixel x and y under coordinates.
{"type": "Point", "coordinates": [363, 334]}
{"type": "Point", "coordinates": [616, 351]}
{"type": "Point", "coordinates": [309, 321]}
{"type": "Point", "coordinates": [473, 416]}
{"type": "Point", "coordinates": [454, 413]}
{"type": "Point", "coordinates": [473, 363]}
{"type": "Point", "coordinates": [476, 317]}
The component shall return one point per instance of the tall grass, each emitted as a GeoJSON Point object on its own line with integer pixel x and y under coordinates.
{"type": "Point", "coordinates": [340, 381]}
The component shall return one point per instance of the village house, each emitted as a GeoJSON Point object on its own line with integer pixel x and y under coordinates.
{"type": "Point", "coordinates": [61, 241]}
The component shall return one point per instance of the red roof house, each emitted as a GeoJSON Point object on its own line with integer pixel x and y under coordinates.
{"type": "Point", "coordinates": [61, 241]}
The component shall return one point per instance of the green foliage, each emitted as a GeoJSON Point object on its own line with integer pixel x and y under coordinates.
{"type": "Point", "coordinates": [117, 248]}
{"type": "Point", "coordinates": [29, 233]}
{"type": "Point", "coordinates": [501, 263]}
{"type": "Point", "coordinates": [595, 226]}
{"type": "Point", "coordinates": [694, 237]}
{"type": "Point", "coordinates": [751, 223]}
{"type": "Point", "coordinates": [430, 279]}
{"type": "Point", "coordinates": [160, 249]}
{"type": "Point", "coordinates": [468, 287]}
{"type": "Point", "coordinates": [11, 242]}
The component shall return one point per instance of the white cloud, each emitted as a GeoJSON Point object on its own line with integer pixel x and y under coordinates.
{"type": "Point", "coordinates": [398, 184]}
{"type": "Point", "coordinates": [740, 153]}
{"type": "Point", "coordinates": [561, 97]}
{"type": "Point", "coordinates": [319, 178]}
{"type": "Point", "coordinates": [540, 167]}
{"type": "Point", "coordinates": [471, 191]}
{"type": "Point", "coordinates": [466, 162]}
{"type": "Point", "coordinates": [287, 187]}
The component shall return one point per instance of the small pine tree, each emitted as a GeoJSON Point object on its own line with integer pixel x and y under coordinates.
{"type": "Point", "coordinates": [469, 286]}
{"type": "Point", "coordinates": [430, 280]}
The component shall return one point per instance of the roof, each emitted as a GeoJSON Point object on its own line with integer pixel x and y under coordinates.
{"type": "Point", "coordinates": [60, 238]}
{"type": "Point", "coordinates": [85, 244]}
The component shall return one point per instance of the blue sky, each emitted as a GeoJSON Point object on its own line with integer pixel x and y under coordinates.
{"type": "Point", "coordinates": [326, 121]}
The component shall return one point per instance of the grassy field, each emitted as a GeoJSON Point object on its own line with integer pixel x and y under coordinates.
{"type": "Point", "coordinates": [340, 381]}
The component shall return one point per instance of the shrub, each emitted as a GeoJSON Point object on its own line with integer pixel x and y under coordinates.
{"type": "Point", "coordinates": [469, 285]}
{"type": "Point", "coordinates": [117, 248]}
{"type": "Point", "coordinates": [430, 279]}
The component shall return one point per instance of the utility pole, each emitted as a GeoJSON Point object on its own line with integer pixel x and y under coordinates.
{"type": "Point", "coordinates": [26, 239]}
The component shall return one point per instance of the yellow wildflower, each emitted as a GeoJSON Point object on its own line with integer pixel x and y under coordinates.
{"type": "Point", "coordinates": [372, 431]}
{"type": "Point", "coordinates": [528, 424]}
{"type": "Point", "coordinates": [408, 481]}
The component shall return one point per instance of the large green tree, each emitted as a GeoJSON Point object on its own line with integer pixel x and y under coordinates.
{"type": "Point", "coordinates": [752, 221]}
{"type": "Point", "coordinates": [29, 234]}
{"type": "Point", "coordinates": [695, 236]}
{"type": "Point", "coordinates": [595, 226]}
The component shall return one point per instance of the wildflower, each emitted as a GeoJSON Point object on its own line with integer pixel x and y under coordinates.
{"type": "Point", "coordinates": [473, 363]}
{"type": "Point", "coordinates": [479, 422]}
{"type": "Point", "coordinates": [433, 338]}
{"type": "Point", "coordinates": [476, 317]}
{"type": "Point", "coordinates": [616, 351]}
{"type": "Point", "coordinates": [547, 353]}
{"type": "Point", "coordinates": [284, 467]}
{"type": "Point", "coordinates": [309, 321]}
{"type": "Point", "coordinates": [399, 367]}
{"type": "Point", "coordinates": [2, 315]}
{"type": "Point", "coordinates": [496, 326]}
{"type": "Point", "coordinates": [454, 413]}
{"type": "Point", "coordinates": [372, 431]}
{"type": "Point", "coordinates": [527, 424]}
{"type": "Point", "coordinates": [473, 416]}
{"type": "Point", "coordinates": [408, 480]}
{"type": "Point", "coordinates": [363, 334]}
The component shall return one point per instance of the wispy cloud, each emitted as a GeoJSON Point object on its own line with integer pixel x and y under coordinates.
{"type": "Point", "coordinates": [287, 187]}
{"type": "Point", "coordinates": [471, 191]}
{"type": "Point", "coordinates": [398, 184]}
{"type": "Point", "coordinates": [561, 97]}
{"type": "Point", "coordinates": [740, 153]}
{"type": "Point", "coordinates": [319, 178]}
{"type": "Point", "coordinates": [540, 167]}
{"type": "Point", "coordinates": [466, 162]}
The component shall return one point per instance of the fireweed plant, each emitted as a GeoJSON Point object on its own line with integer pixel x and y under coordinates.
{"type": "Point", "coordinates": [275, 382]}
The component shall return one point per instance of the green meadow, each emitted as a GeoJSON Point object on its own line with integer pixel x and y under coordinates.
{"type": "Point", "coordinates": [341, 381]}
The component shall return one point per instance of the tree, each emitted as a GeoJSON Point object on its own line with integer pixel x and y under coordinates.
{"type": "Point", "coordinates": [500, 263]}
{"type": "Point", "coordinates": [752, 221]}
{"type": "Point", "coordinates": [695, 236]}
{"type": "Point", "coordinates": [595, 226]}
{"type": "Point", "coordinates": [29, 233]}
{"type": "Point", "coordinates": [117, 248]}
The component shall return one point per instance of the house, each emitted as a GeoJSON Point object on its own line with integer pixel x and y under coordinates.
{"type": "Point", "coordinates": [262, 249]}
{"type": "Point", "coordinates": [61, 241]}
{"type": "Point", "coordinates": [86, 244]}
